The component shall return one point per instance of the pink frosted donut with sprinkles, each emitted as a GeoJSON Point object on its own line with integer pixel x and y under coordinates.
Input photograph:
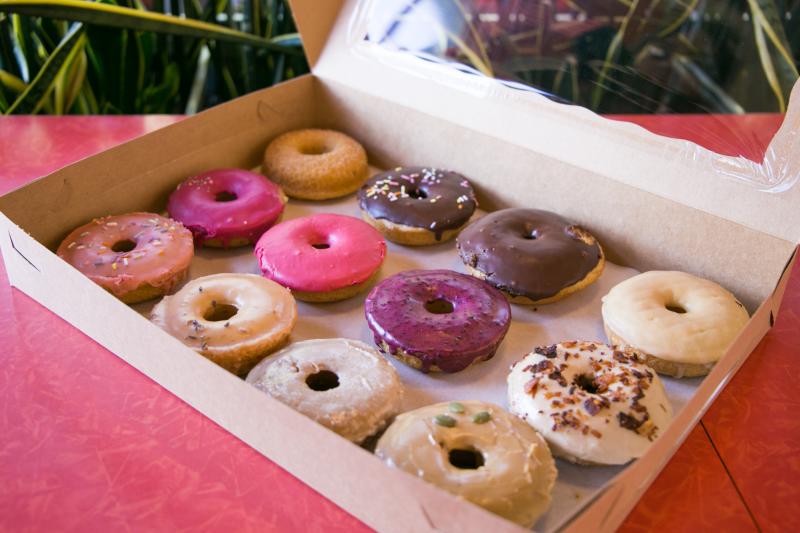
{"type": "Point", "coordinates": [417, 206]}
{"type": "Point", "coordinates": [227, 207]}
{"type": "Point", "coordinates": [135, 257]}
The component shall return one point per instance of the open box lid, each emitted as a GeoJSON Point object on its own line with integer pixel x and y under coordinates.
{"type": "Point", "coordinates": [761, 196]}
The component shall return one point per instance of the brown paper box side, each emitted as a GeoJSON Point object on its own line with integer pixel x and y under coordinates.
{"type": "Point", "coordinates": [142, 172]}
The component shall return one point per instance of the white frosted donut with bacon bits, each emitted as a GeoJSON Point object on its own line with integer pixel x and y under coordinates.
{"type": "Point", "coordinates": [594, 404]}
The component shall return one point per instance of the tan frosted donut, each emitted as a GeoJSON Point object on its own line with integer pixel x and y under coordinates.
{"type": "Point", "coordinates": [232, 319]}
{"type": "Point", "coordinates": [316, 164]}
{"type": "Point", "coordinates": [682, 324]}
{"type": "Point", "coordinates": [477, 451]}
{"type": "Point", "coordinates": [342, 384]}
{"type": "Point", "coordinates": [593, 403]}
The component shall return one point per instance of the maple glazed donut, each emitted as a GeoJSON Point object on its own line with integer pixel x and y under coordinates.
{"type": "Point", "coordinates": [417, 206]}
{"type": "Point", "coordinates": [682, 324]}
{"type": "Point", "coordinates": [321, 258]}
{"type": "Point", "coordinates": [594, 404]}
{"type": "Point", "coordinates": [316, 164]}
{"type": "Point", "coordinates": [227, 207]}
{"type": "Point", "coordinates": [135, 257]}
{"type": "Point", "coordinates": [234, 320]}
{"type": "Point", "coordinates": [477, 451]}
{"type": "Point", "coordinates": [342, 384]}
{"type": "Point", "coordinates": [437, 320]}
{"type": "Point", "coordinates": [532, 256]}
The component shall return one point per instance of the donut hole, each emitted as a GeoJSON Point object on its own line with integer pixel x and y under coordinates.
{"type": "Point", "coordinates": [219, 312]}
{"type": "Point", "coordinates": [225, 196]}
{"type": "Point", "coordinates": [676, 308]}
{"type": "Point", "coordinates": [321, 245]}
{"type": "Point", "coordinates": [418, 194]}
{"type": "Point", "coordinates": [315, 148]}
{"type": "Point", "coordinates": [125, 245]}
{"type": "Point", "coordinates": [586, 382]}
{"type": "Point", "coordinates": [439, 306]}
{"type": "Point", "coordinates": [466, 458]}
{"type": "Point", "coordinates": [322, 380]}
{"type": "Point", "coordinates": [531, 235]}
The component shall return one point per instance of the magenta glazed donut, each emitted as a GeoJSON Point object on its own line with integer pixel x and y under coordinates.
{"type": "Point", "coordinates": [321, 258]}
{"type": "Point", "coordinates": [437, 320]}
{"type": "Point", "coordinates": [227, 207]}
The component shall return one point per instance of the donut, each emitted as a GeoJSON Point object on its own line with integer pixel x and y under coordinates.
{"type": "Point", "coordinates": [532, 256]}
{"type": "Point", "coordinates": [476, 451]}
{"type": "Point", "coordinates": [437, 320]}
{"type": "Point", "coordinates": [417, 206]}
{"type": "Point", "coordinates": [234, 320]}
{"type": "Point", "coordinates": [342, 384]}
{"type": "Point", "coordinates": [316, 164]}
{"type": "Point", "coordinates": [680, 323]}
{"type": "Point", "coordinates": [321, 258]}
{"type": "Point", "coordinates": [135, 257]}
{"type": "Point", "coordinates": [594, 404]}
{"type": "Point", "coordinates": [227, 207]}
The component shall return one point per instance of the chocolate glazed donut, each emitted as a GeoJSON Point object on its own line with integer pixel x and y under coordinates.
{"type": "Point", "coordinates": [532, 256]}
{"type": "Point", "coordinates": [417, 205]}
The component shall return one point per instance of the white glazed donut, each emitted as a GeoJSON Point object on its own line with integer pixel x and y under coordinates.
{"type": "Point", "coordinates": [592, 403]}
{"type": "Point", "coordinates": [232, 319]}
{"type": "Point", "coordinates": [477, 451]}
{"type": "Point", "coordinates": [680, 323]}
{"type": "Point", "coordinates": [342, 384]}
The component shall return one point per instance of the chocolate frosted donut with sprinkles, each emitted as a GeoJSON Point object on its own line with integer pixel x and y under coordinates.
{"type": "Point", "coordinates": [135, 257]}
{"type": "Point", "coordinates": [532, 256]}
{"type": "Point", "coordinates": [417, 206]}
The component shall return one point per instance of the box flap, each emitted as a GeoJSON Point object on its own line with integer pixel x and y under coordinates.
{"type": "Point", "coordinates": [671, 168]}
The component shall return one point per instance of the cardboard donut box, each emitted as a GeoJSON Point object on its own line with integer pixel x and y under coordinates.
{"type": "Point", "coordinates": [654, 203]}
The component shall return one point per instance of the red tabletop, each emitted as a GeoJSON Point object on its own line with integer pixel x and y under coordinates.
{"type": "Point", "coordinates": [88, 443]}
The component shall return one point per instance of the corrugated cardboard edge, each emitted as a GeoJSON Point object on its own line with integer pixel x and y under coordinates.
{"type": "Point", "coordinates": [384, 498]}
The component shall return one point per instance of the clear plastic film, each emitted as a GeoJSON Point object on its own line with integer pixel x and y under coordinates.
{"type": "Point", "coordinates": [716, 73]}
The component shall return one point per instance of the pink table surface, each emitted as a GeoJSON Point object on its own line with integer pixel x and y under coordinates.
{"type": "Point", "coordinates": [88, 443]}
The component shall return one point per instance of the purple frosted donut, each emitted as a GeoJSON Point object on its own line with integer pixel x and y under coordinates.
{"type": "Point", "coordinates": [437, 320]}
{"type": "Point", "coordinates": [226, 207]}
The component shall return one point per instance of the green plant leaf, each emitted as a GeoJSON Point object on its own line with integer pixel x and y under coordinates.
{"type": "Point", "coordinates": [133, 19]}
{"type": "Point", "coordinates": [9, 81]}
{"type": "Point", "coordinates": [36, 92]}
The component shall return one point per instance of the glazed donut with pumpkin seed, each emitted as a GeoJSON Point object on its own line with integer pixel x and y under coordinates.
{"type": "Point", "coordinates": [682, 324]}
{"type": "Point", "coordinates": [594, 404]}
{"type": "Point", "coordinates": [477, 451]}
{"type": "Point", "coordinates": [234, 320]}
{"type": "Point", "coordinates": [316, 164]}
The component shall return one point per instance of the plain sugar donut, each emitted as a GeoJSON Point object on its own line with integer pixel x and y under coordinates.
{"type": "Point", "coordinates": [593, 403]}
{"type": "Point", "coordinates": [316, 164]}
{"type": "Point", "coordinates": [682, 324]}
{"type": "Point", "coordinates": [477, 451]}
{"type": "Point", "coordinates": [342, 384]}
